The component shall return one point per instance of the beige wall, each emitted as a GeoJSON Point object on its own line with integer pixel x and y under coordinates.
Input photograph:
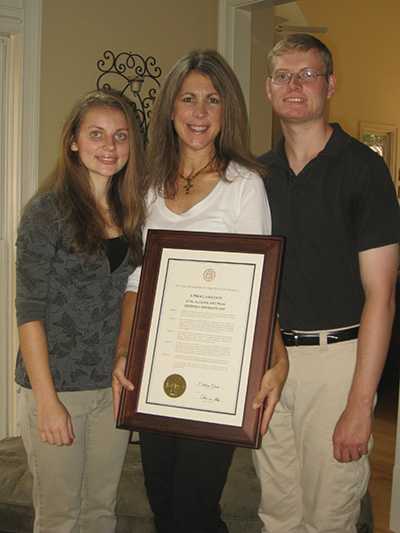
{"type": "Point", "coordinates": [75, 34]}
{"type": "Point", "coordinates": [260, 109]}
{"type": "Point", "coordinates": [364, 38]}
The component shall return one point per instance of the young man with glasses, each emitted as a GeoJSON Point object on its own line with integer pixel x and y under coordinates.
{"type": "Point", "coordinates": [334, 200]}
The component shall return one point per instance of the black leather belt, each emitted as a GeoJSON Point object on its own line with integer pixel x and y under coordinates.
{"type": "Point", "coordinates": [293, 338]}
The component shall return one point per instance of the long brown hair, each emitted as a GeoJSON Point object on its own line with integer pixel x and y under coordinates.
{"type": "Point", "coordinates": [231, 144]}
{"type": "Point", "coordinates": [70, 181]}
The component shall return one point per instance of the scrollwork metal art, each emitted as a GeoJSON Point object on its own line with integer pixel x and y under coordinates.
{"type": "Point", "coordinates": [132, 75]}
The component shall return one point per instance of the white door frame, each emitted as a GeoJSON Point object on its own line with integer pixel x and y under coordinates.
{"type": "Point", "coordinates": [20, 24]}
{"type": "Point", "coordinates": [394, 506]}
{"type": "Point", "coordinates": [234, 36]}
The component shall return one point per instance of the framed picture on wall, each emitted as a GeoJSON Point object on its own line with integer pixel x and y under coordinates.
{"type": "Point", "coordinates": [382, 138]}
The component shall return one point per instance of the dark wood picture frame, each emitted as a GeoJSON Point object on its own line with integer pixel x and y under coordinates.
{"type": "Point", "coordinates": [248, 435]}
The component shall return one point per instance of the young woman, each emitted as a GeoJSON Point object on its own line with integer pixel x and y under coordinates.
{"type": "Point", "coordinates": [202, 178]}
{"type": "Point", "coordinates": [78, 240]}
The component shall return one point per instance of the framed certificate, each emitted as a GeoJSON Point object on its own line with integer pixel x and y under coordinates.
{"type": "Point", "coordinates": [202, 335]}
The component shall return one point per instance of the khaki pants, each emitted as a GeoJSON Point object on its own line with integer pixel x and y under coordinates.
{"type": "Point", "coordinates": [304, 489]}
{"type": "Point", "coordinates": [75, 487]}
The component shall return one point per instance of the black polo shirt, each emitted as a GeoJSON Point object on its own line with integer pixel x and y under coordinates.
{"type": "Point", "coordinates": [341, 203]}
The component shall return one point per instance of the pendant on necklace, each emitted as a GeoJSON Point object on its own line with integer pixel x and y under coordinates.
{"type": "Point", "coordinates": [189, 179]}
{"type": "Point", "coordinates": [188, 185]}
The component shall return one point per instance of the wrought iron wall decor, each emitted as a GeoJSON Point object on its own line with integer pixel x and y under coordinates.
{"type": "Point", "coordinates": [134, 76]}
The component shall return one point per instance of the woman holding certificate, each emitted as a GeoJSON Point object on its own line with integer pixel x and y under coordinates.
{"type": "Point", "coordinates": [202, 177]}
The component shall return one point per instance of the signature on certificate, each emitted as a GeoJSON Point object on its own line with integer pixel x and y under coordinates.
{"type": "Point", "coordinates": [209, 392]}
{"type": "Point", "coordinates": [208, 386]}
{"type": "Point", "coordinates": [209, 398]}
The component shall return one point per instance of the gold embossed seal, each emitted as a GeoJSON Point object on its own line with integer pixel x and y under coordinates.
{"type": "Point", "coordinates": [174, 385]}
{"type": "Point", "coordinates": [209, 274]}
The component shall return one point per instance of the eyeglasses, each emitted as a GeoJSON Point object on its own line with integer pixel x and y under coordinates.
{"type": "Point", "coordinates": [305, 75]}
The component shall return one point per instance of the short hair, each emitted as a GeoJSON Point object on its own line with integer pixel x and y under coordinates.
{"type": "Point", "coordinates": [302, 42]}
{"type": "Point", "coordinates": [232, 143]}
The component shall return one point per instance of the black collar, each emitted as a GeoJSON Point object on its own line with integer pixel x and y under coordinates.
{"type": "Point", "coordinates": [333, 148]}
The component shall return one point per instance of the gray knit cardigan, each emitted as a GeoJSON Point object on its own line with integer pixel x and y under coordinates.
{"type": "Point", "coordinates": [75, 296]}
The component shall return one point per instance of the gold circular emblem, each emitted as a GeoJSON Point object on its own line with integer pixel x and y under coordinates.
{"type": "Point", "coordinates": [174, 385]}
{"type": "Point", "coordinates": [209, 274]}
